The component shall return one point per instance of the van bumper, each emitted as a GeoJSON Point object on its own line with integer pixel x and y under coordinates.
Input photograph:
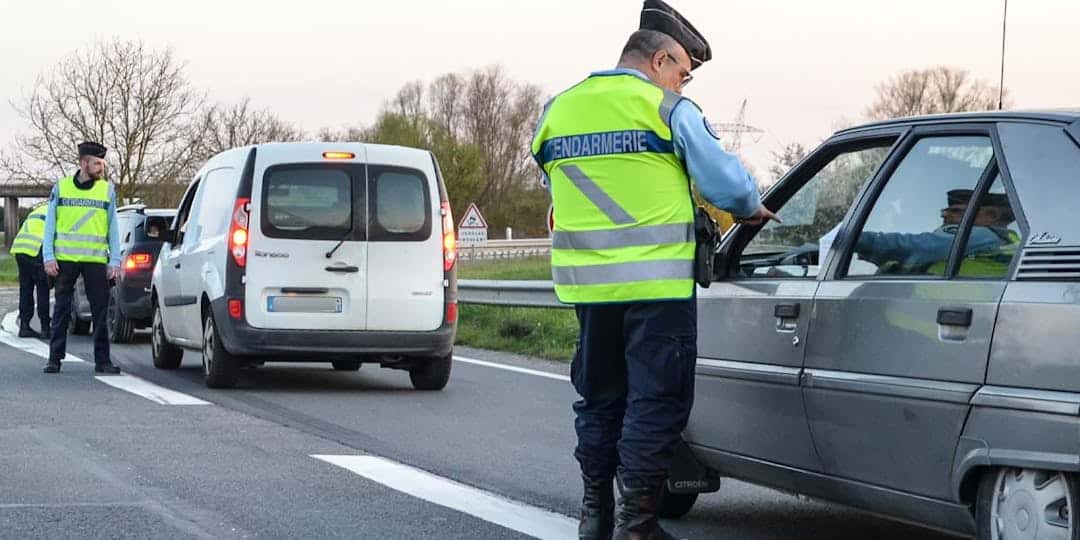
{"type": "Point", "coordinates": [239, 338]}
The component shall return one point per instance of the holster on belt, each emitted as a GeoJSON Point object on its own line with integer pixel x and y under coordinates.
{"type": "Point", "coordinates": [707, 236]}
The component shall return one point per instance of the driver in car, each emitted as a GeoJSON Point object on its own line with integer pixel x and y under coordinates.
{"type": "Point", "coordinates": [919, 253]}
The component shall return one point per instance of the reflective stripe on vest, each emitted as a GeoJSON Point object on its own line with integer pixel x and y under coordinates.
{"type": "Point", "coordinates": [31, 233]}
{"type": "Point", "coordinates": [621, 197]}
{"type": "Point", "coordinates": [82, 222]}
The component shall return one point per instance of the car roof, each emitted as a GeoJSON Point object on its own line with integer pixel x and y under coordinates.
{"type": "Point", "coordinates": [1062, 116]}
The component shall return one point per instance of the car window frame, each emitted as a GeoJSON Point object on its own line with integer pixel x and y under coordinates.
{"type": "Point", "coordinates": [855, 222]}
{"type": "Point", "coordinates": [740, 236]}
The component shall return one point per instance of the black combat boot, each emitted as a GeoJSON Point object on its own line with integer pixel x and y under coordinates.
{"type": "Point", "coordinates": [52, 366]}
{"type": "Point", "coordinates": [106, 368]}
{"type": "Point", "coordinates": [26, 331]}
{"type": "Point", "coordinates": [597, 509]}
{"type": "Point", "coordinates": [636, 516]}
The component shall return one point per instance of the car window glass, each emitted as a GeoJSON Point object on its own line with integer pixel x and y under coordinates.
{"type": "Point", "coordinates": [215, 204]}
{"type": "Point", "coordinates": [185, 211]}
{"type": "Point", "coordinates": [307, 201]}
{"type": "Point", "coordinates": [400, 201]}
{"type": "Point", "coordinates": [794, 248]}
{"type": "Point", "coordinates": [993, 238]}
{"type": "Point", "coordinates": [153, 226]}
{"type": "Point", "coordinates": [911, 229]}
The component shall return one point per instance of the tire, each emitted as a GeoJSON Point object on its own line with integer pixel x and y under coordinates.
{"type": "Point", "coordinates": [79, 327]}
{"type": "Point", "coordinates": [431, 373]}
{"type": "Point", "coordinates": [166, 355]}
{"type": "Point", "coordinates": [221, 369]}
{"type": "Point", "coordinates": [346, 365]}
{"type": "Point", "coordinates": [675, 505]}
{"type": "Point", "coordinates": [121, 329]}
{"type": "Point", "coordinates": [1027, 503]}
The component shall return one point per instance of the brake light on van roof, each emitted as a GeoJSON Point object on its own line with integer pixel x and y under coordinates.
{"type": "Point", "coordinates": [238, 232]}
{"type": "Point", "coordinates": [338, 155]}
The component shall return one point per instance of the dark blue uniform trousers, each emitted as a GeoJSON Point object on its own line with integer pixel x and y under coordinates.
{"type": "Point", "coordinates": [634, 371]}
{"type": "Point", "coordinates": [96, 279]}
{"type": "Point", "coordinates": [32, 279]}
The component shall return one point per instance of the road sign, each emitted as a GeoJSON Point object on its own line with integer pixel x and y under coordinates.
{"type": "Point", "coordinates": [473, 228]}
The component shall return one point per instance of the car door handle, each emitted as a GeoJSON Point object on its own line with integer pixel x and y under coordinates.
{"type": "Point", "coordinates": [951, 316]}
{"type": "Point", "coordinates": [344, 269]}
{"type": "Point", "coordinates": [786, 311]}
{"type": "Point", "coordinates": [177, 265]}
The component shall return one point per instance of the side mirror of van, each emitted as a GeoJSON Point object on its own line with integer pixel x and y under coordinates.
{"type": "Point", "coordinates": [168, 235]}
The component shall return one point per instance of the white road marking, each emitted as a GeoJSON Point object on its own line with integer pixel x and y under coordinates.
{"type": "Point", "coordinates": [149, 390]}
{"type": "Point", "coordinates": [515, 369]}
{"type": "Point", "coordinates": [489, 507]}
{"type": "Point", "coordinates": [9, 335]}
{"type": "Point", "coordinates": [128, 383]}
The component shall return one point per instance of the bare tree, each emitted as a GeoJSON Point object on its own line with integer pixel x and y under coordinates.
{"type": "Point", "coordinates": [225, 127]}
{"type": "Point", "coordinates": [786, 158]}
{"type": "Point", "coordinates": [500, 116]}
{"type": "Point", "coordinates": [445, 95]}
{"type": "Point", "coordinates": [344, 134]}
{"type": "Point", "coordinates": [940, 89]}
{"type": "Point", "coordinates": [134, 100]}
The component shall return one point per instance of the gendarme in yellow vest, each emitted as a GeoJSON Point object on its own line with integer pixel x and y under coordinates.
{"type": "Point", "coordinates": [28, 241]}
{"type": "Point", "coordinates": [623, 212]}
{"type": "Point", "coordinates": [82, 222]}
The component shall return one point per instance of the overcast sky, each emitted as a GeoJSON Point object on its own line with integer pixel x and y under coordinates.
{"type": "Point", "coordinates": [804, 66]}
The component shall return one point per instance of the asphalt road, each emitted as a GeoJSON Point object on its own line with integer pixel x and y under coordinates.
{"type": "Point", "coordinates": [79, 458]}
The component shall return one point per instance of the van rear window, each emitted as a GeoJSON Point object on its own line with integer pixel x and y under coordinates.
{"type": "Point", "coordinates": [307, 201]}
{"type": "Point", "coordinates": [400, 205]}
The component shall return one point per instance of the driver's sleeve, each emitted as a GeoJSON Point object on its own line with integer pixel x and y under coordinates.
{"type": "Point", "coordinates": [717, 173]}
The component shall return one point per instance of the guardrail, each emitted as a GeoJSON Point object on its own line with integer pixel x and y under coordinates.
{"type": "Point", "coordinates": [506, 249]}
{"type": "Point", "coordinates": [503, 292]}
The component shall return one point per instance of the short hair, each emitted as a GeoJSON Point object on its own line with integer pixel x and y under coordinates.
{"type": "Point", "coordinates": [643, 44]}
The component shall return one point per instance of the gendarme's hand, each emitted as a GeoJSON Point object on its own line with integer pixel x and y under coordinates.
{"type": "Point", "coordinates": [112, 273]}
{"type": "Point", "coordinates": [761, 216]}
{"type": "Point", "coordinates": [52, 268]}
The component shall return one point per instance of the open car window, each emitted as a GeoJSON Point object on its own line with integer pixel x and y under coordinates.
{"type": "Point", "coordinates": [796, 247]}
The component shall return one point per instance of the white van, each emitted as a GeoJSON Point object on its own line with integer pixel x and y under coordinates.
{"type": "Point", "coordinates": [310, 252]}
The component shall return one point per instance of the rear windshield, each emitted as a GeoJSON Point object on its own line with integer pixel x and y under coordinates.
{"type": "Point", "coordinates": [377, 203]}
{"type": "Point", "coordinates": [150, 230]}
{"type": "Point", "coordinates": [309, 201]}
{"type": "Point", "coordinates": [400, 204]}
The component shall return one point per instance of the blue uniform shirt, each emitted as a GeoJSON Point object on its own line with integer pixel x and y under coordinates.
{"type": "Point", "coordinates": [920, 250]}
{"type": "Point", "coordinates": [717, 173]}
{"type": "Point", "coordinates": [50, 227]}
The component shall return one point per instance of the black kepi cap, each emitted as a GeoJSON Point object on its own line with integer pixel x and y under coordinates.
{"type": "Point", "coordinates": [963, 196]}
{"type": "Point", "coordinates": [90, 148]}
{"type": "Point", "coordinates": [660, 17]}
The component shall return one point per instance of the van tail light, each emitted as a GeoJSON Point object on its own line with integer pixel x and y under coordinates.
{"type": "Point", "coordinates": [449, 243]}
{"type": "Point", "coordinates": [451, 313]}
{"type": "Point", "coordinates": [238, 232]}
{"type": "Point", "coordinates": [138, 261]}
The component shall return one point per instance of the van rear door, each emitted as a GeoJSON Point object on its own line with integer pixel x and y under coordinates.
{"type": "Point", "coordinates": [405, 257]}
{"type": "Point", "coordinates": [307, 257]}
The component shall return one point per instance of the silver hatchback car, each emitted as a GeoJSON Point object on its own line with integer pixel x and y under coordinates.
{"type": "Point", "coordinates": [907, 341]}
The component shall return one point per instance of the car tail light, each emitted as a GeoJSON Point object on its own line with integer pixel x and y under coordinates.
{"type": "Point", "coordinates": [338, 155]}
{"type": "Point", "coordinates": [449, 244]}
{"type": "Point", "coordinates": [138, 261]}
{"type": "Point", "coordinates": [451, 313]}
{"type": "Point", "coordinates": [238, 232]}
{"type": "Point", "coordinates": [236, 308]}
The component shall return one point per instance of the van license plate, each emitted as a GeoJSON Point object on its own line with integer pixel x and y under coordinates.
{"type": "Point", "coordinates": [303, 304]}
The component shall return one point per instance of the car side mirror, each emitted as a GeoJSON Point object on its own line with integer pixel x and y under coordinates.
{"type": "Point", "coordinates": [168, 236]}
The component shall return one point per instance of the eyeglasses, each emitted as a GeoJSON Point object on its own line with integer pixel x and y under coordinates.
{"type": "Point", "coordinates": [953, 210]}
{"type": "Point", "coordinates": [683, 72]}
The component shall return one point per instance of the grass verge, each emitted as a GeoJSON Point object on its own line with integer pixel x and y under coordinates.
{"type": "Point", "coordinates": [544, 332]}
{"type": "Point", "coordinates": [9, 271]}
